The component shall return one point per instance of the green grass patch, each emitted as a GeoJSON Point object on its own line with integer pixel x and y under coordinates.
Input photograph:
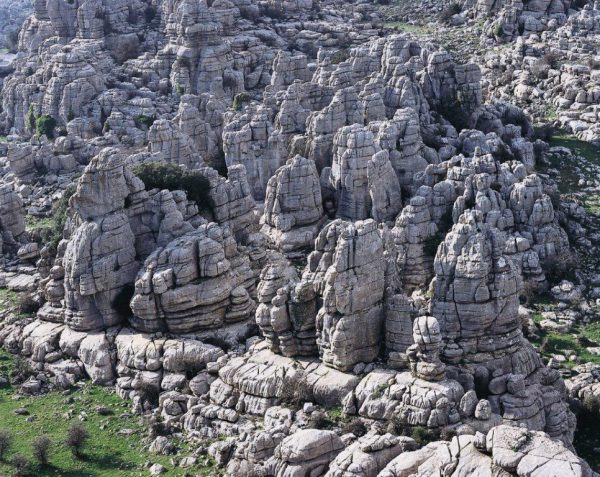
{"type": "Point", "coordinates": [8, 298]}
{"type": "Point", "coordinates": [403, 27]}
{"type": "Point", "coordinates": [115, 447]}
{"type": "Point", "coordinates": [591, 332]}
{"type": "Point", "coordinates": [33, 223]}
{"type": "Point", "coordinates": [569, 175]}
{"type": "Point", "coordinates": [551, 114]}
{"type": "Point", "coordinates": [581, 148]}
{"type": "Point", "coordinates": [3, 139]}
{"type": "Point", "coordinates": [551, 343]}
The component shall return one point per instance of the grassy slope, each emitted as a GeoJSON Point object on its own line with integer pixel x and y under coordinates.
{"type": "Point", "coordinates": [108, 453]}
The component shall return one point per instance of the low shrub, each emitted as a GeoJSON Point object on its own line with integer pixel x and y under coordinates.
{"type": "Point", "coordinates": [144, 121]}
{"type": "Point", "coordinates": [447, 13]}
{"type": "Point", "coordinates": [5, 441]}
{"type": "Point", "coordinates": [423, 436]}
{"type": "Point", "coordinates": [44, 126]}
{"type": "Point", "coordinates": [239, 101]}
{"type": "Point", "coordinates": [27, 304]}
{"type": "Point", "coordinates": [295, 391]}
{"type": "Point", "coordinates": [50, 231]}
{"type": "Point", "coordinates": [41, 449]}
{"type": "Point", "coordinates": [340, 56]}
{"type": "Point", "coordinates": [356, 426]}
{"type": "Point", "coordinates": [20, 465]}
{"type": "Point", "coordinates": [22, 370]}
{"type": "Point", "coordinates": [149, 13]}
{"type": "Point", "coordinates": [149, 393]}
{"type": "Point", "coordinates": [77, 438]}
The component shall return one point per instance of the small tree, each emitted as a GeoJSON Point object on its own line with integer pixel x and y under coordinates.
{"type": "Point", "coordinates": [21, 465]}
{"type": "Point", "coordinates": [41, 449]}
{"type": "Point", "coordinates": [5, 439]}
{"type": "Point", "coordinates": [77, 439]}
{"type": "Point", "coordinates": [44, 125]}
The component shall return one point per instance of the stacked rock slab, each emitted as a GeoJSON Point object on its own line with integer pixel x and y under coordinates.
{"type": "Point", "coordinates": [249, 139]}
{"type": "Point", "coordinates": [197, 281]}
{"type": "Point", "coordinates": [100, 258]}
{"type": "Point", "coordinates": [347, 271]}
{"type": "Point", "coordinates": [148, 362]}
{"type": "Point", "coordinates": [399, 314]}
{"type": "Point", "coordinates": [293, 205]}
{"type": "Point", "coordinates": [12, 218]}
{"type": "Point", "coordinates": [231, 199]}
{"type": "Point", "coordinates": [287, 311]}
{"type": "Point", "coordinates": [507, 451]}
{"type": "Point", "coordinates": [424, 354]}
{"type": "Point", "coordinates": [476, 292]}
{"type": "Point", "coordinates": [252, 384]}
{"type": "Point", "coordinates": [368, 456]}
{"type": "Point", "coordinates": [475, 299]}
{"type": "Point", "coordinates": [353, 149]}
{"type": "Point", "coordinates": [307, 452]}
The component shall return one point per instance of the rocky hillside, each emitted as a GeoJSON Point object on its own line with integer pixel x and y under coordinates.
{"type": "Point", "coordinates": [311, 238]}
{"type": "Point", "coordinates": [12, 14]}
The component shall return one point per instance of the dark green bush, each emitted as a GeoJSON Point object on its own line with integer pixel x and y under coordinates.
{"type": "Point", "coordinates": [22, 370]}
{"type": "Point", "coordinates": [30, 118]}
{"type": "Point", "coordinates": [239, 100]}
{"type": "Point", "coordinates": [143, 120]}
{"type": "Point", "coordinates": [149, 13]}
{"type": "Point", "coordinates": [340, 56]}
{"type": "Point", "coordinates": [356, 426]}
{"type": "Point", "coordinates": [165, 175]}
{"type": "Point", "coordinates": [44, 126]}
{"type": "Point", "coordinates": [149, 393]}
{"type": "Point", "coordinates": [423, 436]}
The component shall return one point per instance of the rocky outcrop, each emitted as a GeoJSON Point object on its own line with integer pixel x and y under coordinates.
{"type": "Point", "coordinates": [12, 219]}
{"type": "Point", "coordinates": [293, 206]}
{"type": "Point", "coordinates": [347, 271]}
{"type": "Point", "coordinates": [307, 451]}
{"type": "Point", "coordinates": [100, 258]}
{"type": "Point", "coordinates": [287, 311]}
{"type": "Point", "coordinates": [369, 455]}
{"type": "Point", "coordinates": [195, 282]}
{"type": "Point", "coordinates": [510, 450]}
{"type": "Point", "coordinates": [353, 149]}
{"type": "Point", "coordinates": [249, 139]}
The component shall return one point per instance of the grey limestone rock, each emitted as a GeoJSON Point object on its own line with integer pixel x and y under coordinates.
{"type": "Point", "coordinates": [293, 205]}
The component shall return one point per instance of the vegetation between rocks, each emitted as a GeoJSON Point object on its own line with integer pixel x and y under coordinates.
{"type": "Point", "coordinates": [164, 175]}
{"type": "Point", "coordinates": [117, 446]}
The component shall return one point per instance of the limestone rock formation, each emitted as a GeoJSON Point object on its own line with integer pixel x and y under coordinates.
{"type": "Point", "coordinates": [348, 273]}
{"type": "Point", "coordinates": [293, 205]}
{"type": "Point", "coordinates": [195, 282]}
{"type": "Point", "coordinates": [512, 451]}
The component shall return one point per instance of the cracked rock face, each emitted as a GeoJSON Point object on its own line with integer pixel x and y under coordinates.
{"type": "Point", "coordinates": [348, 274]}
{"type": "Point", "coordinates": [197, 281]}
{"type": "Point", "coordinates": [100, 258]}
{"type": "Point", "coordinates": [369, 228]}
{"type": "Point", "coordinates": [293, 205]}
